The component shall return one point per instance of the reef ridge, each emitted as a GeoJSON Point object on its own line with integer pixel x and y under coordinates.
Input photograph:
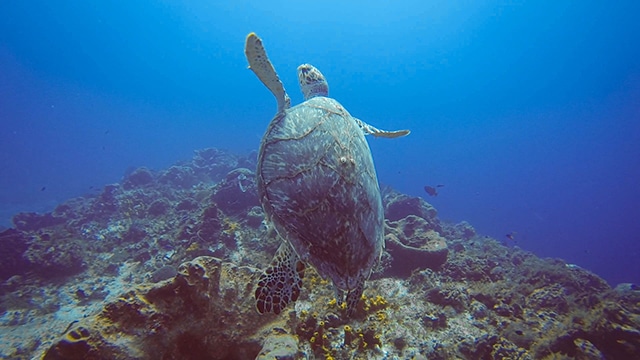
{"type": "Point", "coordinates": [163, 264]}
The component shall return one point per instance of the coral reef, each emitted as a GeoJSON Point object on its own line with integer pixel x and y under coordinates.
{"type": "Point", "coordinates": [164, 264]}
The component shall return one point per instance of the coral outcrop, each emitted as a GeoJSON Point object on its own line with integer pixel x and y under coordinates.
{"type": "Point", "coordinates": [413, 244]}
{"type": "Point", "coordinates": [174, 319]}
{"type": "Point", "coordinates": [237, 193]}
{"type": "Point", "coordinates": [280, 345]}
{"type": "Point", "coordinates": [14, 243]}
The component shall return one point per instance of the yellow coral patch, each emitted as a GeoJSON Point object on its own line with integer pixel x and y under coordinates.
{"type": "Point", "coordinates": [379, 300]}
{"type": "Point", "coordinates": [193, 247]}
{"type": "Point", "coordinates": [230, 226]}
{"type": "Point", "coordinates": [143, 299]}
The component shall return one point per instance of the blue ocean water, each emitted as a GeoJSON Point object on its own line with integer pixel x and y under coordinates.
{"type": "Point", "coordinates": [528, 112]}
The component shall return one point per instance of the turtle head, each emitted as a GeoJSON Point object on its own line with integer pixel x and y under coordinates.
{"type": "Point", "coordinates": [312, 82]}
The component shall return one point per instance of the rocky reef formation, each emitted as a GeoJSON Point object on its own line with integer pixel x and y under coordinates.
{"type": "Point", "coordinates": [163, 266]}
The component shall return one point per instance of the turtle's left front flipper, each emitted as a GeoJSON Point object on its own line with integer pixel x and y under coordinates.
{"type": "Point", "coordinates": [260, 64]}
{"type": "Point", "coordinates": [371, 130]}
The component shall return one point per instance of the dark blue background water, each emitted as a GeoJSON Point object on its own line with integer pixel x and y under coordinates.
{"type": "Point", "coordinates": [527, 112]}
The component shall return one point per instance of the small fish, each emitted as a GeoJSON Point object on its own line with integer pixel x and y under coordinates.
{"type": "Point", "coordinates": [43, 188]}
{"type": "Point", "coordinates": [431, 190]}
{"type": "Point", "coordinates": [511, 236]}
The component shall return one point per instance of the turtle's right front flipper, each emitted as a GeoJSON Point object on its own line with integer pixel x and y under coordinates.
{"type": "Point", "coordinates": [281, 282]}
{"type": "Point", "coordinates": [260, 64]}
{"type": "Point", "coordinates": [371, 130]}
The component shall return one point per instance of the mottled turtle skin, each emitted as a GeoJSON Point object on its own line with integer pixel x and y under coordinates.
{"type": "Point", "coordinates": [318, 187]}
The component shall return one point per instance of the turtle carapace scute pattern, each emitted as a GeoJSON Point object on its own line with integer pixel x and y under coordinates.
{"type": "Point", "coordinates": [318, 187]}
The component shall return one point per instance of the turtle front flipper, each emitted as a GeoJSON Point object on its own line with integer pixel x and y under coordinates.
{"type": "Point", "coordinates": [260, 64]}
{"type": "Point", "coordinates": [353, 297]}
{"type": "Point", "coordinates": [371, 130]}
{"type": "Point", "coordinates": [281, 282]}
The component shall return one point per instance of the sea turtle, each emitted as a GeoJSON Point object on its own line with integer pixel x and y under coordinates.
{"type": "Point", "coordinates": [318, 187]}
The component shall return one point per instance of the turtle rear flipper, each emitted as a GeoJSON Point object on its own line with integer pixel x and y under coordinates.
{"type": "Point", "coordinates": [371, 130]}
{"type": "Point", "coordinates": [260, 64]}
{"type": "Point", "coordinates": [353, 297]}
{"type": "Point", "coordinates": [281, 282]}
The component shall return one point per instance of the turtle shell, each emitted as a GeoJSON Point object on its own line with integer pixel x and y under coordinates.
{"type": "Point", "coordinates": [318, 186]}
